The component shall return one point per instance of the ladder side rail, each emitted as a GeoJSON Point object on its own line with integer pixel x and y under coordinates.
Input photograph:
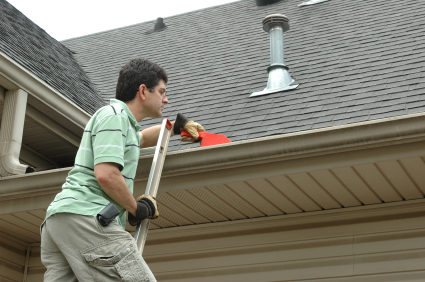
{"type": "Point", "coordinates": [154, 178]}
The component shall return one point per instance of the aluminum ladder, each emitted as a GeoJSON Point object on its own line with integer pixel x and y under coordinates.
{"type": "Point", "coordinates": [154, 177]}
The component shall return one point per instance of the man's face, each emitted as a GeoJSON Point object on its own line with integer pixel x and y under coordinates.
{"type": "Point", "coordinates": [156, 100]}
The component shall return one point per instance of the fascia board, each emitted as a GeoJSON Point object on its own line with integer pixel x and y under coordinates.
{"type": "Point", "coordinates": [34, 86]}
{"type": "Point", "coordinates": [303, 146]}
{"type": "Point", "coordinates": [32, 184]}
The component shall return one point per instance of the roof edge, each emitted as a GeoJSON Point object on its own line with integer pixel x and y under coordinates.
{"type": "Point", "coordinates": [33, 85]}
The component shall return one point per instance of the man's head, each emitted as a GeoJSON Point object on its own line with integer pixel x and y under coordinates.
{"type": "Point", "coordinates": [135, 73]}
{"type": "Point", "coordinates": [141, 85]}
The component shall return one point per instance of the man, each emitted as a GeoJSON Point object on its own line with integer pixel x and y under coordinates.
{"type": "Point", "coordinates": [79, 239]}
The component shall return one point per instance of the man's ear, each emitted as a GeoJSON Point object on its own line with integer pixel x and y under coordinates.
{"type": "Point", "coordinates": [142, 92]}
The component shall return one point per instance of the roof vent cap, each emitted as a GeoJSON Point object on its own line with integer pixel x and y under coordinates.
{"type": "Point", "coordinates": [311, 2]}
{"type": "Point", "coordinates": [159, 25]}
{"type": "Point", "coordinates": [279, 77]}
{"type": "Point", "coordinates": [275, 19]}
{"type": "Point", "coordinates": [266, 2]}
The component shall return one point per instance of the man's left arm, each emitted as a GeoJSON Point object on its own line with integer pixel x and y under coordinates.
{"type": "Point", "coordinates": [150, 136]}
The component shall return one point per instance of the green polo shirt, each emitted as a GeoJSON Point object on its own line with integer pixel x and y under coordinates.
{"type": "Point", "coordinates": [111, 135]}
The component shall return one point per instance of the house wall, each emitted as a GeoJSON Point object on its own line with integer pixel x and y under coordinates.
{"type": "Point", "coordinates": [357, 245]}
{"type": "Point", "coordinates": [379, 243]}
{"type": "Point", "coordinates": [12, 259]}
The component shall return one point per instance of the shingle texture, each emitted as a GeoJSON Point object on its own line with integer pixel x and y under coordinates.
{"type": "Point", "coordinates": [36, 51]}
{"type": "Point", "coordinates": [353, 60]}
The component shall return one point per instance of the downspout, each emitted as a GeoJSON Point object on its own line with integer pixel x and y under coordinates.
{"type": "Point", "coordinates": [11, 131]}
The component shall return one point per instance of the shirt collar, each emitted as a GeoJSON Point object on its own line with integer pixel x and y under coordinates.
{"type": "Point", "coordinates": [129, 113]}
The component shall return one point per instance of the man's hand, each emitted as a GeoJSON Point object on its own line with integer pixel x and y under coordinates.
{"type": "Point", "coordinates": [146, 208]}
{"type": "Point", "coordinates": [182, 123]}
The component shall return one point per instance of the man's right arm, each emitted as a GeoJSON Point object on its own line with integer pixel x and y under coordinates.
{"type": "Point", "coordinates": [113, 184]}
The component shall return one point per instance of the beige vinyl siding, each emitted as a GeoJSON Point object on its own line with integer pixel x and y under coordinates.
{"type": "Point", "coordinates": [12, 259]}
{"type": "Point", "coordinates": [373, 246]}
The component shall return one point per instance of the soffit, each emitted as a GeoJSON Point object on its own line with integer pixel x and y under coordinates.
{"type": "Point", "coordinates": [41, 143]}
{"type": "Point", "coordinates": [325, 189]}
{"type": "Point", "coordinates": [47, 144]}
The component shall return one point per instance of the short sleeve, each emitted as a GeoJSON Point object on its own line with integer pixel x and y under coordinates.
{"type": "Point", "coordinates": [108, 139]}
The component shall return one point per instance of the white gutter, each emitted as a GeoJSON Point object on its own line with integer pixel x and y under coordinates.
{"type": "Point", "coordinates": [11, 130]}
{"type": "Point", "coordinates": [370, 134]}
{"type": "Point", "coordinates": [31, 84]}
{"type": "Point", "coordinates": [385, 133]}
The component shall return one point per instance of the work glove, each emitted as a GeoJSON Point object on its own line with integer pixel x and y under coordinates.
{"type": "Point", "coordinates": [146, 208]}
{"type": "Point", "coordinates": [182, 123]}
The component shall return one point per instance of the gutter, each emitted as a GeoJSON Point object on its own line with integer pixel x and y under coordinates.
{"type": "Point", "coordinates": [260, 151]}
{"type": "Point", "coordinates": [369, 134]}
{"type": "Point", "coordinates": [31, 84]}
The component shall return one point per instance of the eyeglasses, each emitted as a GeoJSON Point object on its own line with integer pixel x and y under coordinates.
{"type": "Point", "coordinates": [163, 94]}
{"type": "Point", "coordinates": [161, 91]}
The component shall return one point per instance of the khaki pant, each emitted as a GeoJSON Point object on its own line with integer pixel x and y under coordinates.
{"type": "Point", "coordinates": [77, 248]}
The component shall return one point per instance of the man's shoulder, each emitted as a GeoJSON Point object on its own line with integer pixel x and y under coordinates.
{"type": "Point", "coordinates": [110, 111]}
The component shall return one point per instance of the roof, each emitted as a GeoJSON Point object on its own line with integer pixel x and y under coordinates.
{"type": "Point", "coordinates": [354, 61]}
{"type": "Point", "coordinates": [49, 60]}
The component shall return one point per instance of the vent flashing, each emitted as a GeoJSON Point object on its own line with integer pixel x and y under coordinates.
{"type": "Point", "coordinates": [279, 77]}
{"type": "Point", "coordinates": [311, 2]}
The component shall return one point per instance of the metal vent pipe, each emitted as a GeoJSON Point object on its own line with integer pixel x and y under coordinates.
{"type": "Point", "coordinates": [159, 24]}
{"type": "Point", "coordinates": [279, 77]}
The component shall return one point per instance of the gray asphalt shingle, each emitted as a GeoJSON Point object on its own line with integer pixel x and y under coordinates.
{"type": "Point", "coordinates": [353, 60]}
{"type": "Point", "coordinates": [32, 48]}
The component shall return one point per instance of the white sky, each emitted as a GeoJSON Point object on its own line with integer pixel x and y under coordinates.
{"type": "Point", "coordinates": [73, 18]}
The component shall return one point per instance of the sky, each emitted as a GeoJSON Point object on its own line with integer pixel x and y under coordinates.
{"type": "Point", "coordinates": [69, 19]}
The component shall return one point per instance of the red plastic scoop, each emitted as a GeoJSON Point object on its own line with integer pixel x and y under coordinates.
{"type": "Point", "coordinates": [208, 139]}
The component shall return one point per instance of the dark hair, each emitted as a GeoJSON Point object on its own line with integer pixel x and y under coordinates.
{"type": "Point", "coordinates": [136, 72]}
